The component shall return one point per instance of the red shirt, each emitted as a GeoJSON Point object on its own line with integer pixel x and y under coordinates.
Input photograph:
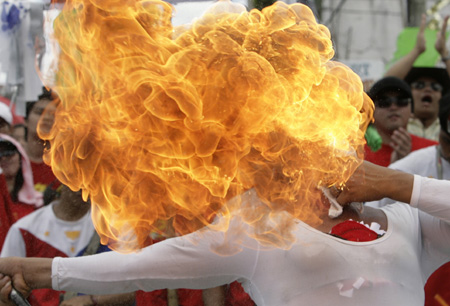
{"type": "Point", "coordinates": [382, 157]}
{"type": "Point", "coordinates": [437, 287]}
{"type": "Point", "coordinates": [42, 175]}
{"type": "Point", "coordinates": [10, 211]}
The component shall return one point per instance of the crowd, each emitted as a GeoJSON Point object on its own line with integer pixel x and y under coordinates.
{"type": "Point", "coordinates": [40, 217]}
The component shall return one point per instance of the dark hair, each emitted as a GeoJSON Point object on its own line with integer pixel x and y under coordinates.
{"type": "Point", "coordinates": [18, 183]}
{"type": "Point", "coordinates": [52, 192]}
{"type": "Point", "coordinates": [7, 145]}
{"type": "Point", "coordinates": [28, 107]}
{"type": "Point", "coordinates": [444, 113]}
{"type": "Point", "coordinates": [45, 95]}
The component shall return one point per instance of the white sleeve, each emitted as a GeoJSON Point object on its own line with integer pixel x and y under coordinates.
{"type": "Point", "coordinates": [14, 244]}
{"type": "Point", "coordinates": [432, 196]}
{"type": "Point", "coordinates": [183, 262]}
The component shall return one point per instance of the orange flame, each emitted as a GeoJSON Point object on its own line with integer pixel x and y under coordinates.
{"type": "Point", "coordinates": [156, 127]}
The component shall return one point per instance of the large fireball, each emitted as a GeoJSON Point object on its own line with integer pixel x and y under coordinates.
{"type": "Point", "coordinates": [157, 123]}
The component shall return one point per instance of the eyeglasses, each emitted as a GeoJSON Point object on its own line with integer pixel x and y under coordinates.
{"type": "Point", "coordinates": [386, 102]}
{"type": "Point", "coordinates": [421, 85]}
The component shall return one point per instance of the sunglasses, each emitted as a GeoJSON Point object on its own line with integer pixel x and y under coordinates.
{"type": "Point", "coordinates": [7, 153]}
{"type": "Point", "coordinates": [387, 102]}
{"type": "Point", "coordinates": [421, 85]}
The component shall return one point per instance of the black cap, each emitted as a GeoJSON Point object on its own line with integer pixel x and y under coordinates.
{"type": "Point", "coordinates": [439, 74]}
{"type": "Point", "coordinates": [444, 113]}
{"type": "Point", "coordinates": [389, 84]}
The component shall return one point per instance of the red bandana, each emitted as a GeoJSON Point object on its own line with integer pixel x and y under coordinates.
{"type": "Point", "coordinates": [353, 231]}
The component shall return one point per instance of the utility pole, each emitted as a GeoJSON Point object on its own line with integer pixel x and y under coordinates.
{"type": "Point", "coordinates": [415, 10]}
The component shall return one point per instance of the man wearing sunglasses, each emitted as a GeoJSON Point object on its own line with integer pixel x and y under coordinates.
{"type": "Point", "coordinates": [428, 84]}
{"type": "Point", "coordinates": [393, 106]}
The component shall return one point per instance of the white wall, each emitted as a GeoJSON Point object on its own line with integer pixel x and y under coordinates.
{"type": "Point", "coordinates": [367, 29]}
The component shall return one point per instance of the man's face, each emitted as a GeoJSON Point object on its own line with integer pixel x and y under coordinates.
{"type": "Point", "coordinates": [35, 115]}
{"type": "Point", "coordinates": [5, 128]}
{"type": "Point", "coordinates": [19, 133]}
{"type": "Point", "coordinates": [9, 161]}
{"type": "Point", "coordinates": [426, 93]}
{"type": "Point", "coordinates": [392, 111]}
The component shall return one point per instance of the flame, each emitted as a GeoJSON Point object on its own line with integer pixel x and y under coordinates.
{"type": "Point", "coordinates": [157, 123]}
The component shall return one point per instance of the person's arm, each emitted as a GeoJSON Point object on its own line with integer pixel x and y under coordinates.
{"type": "Point", "coordinates": [432, 196]}
{"type": "Point", "coordinates": [441, 46]}
{"type": "Point", "coordinates": [371, 182]}
{"type": "Point", "coordinates": [182, 262]}
{"type": "Point", "coordinates": [401, 68]}
{"type": "Point", "coordinates": [24, 274]}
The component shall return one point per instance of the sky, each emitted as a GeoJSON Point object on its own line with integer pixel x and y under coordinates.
{"type": "Point", "coordinates": [186, 12]}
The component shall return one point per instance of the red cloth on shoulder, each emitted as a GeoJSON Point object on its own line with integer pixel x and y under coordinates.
{"type": "Point", "coordinates": [382, 157]}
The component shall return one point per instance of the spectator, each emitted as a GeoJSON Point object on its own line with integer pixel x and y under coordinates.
{"type": "Point", "coordinates": [433, 162]}
{"type": "Point", "coordinates": [393, 104]}
{"type": "Point", "coordinates": [19, 133]}
{"type": "Point", "coordinates": [16, 119]}
{"type": "Point", "coordinates": [428, 84]}
{"type": "Point", "coordinates": [18, 197]}
{"type": "Point", "coordinates": [5, 119]}
{"type": "Point", "coordinates": [40, 112]}
{"type": "Point", "coordinates": [63, 228]}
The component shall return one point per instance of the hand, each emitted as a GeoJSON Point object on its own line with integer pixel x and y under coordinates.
{"type": "Point", "coordinates": [82, 300]}
{"type": "Point", "coordinates": [5, 290]}
{"type": "Point", "coordinates": [12, 269]}
{"type": "Point", "coordinates": [400, 143]}
{"type": "Point", "coordinates": [359, 187]}
{"type": "Point", "coordinates": [27, 273]}
{"type": "Point", "coordinates": [420, 40]}
{"type": "Point", "coordinates": [371, 182]}
{"type": "Point", "coordinates": [440, 44]}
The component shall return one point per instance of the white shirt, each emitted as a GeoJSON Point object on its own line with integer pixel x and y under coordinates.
{"type": "Point", "coordinates": [318, 269]}
{"type": "Point", "coordinates": [416, 127]}
{"type": "Point", "coordinates": [47, 234]}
